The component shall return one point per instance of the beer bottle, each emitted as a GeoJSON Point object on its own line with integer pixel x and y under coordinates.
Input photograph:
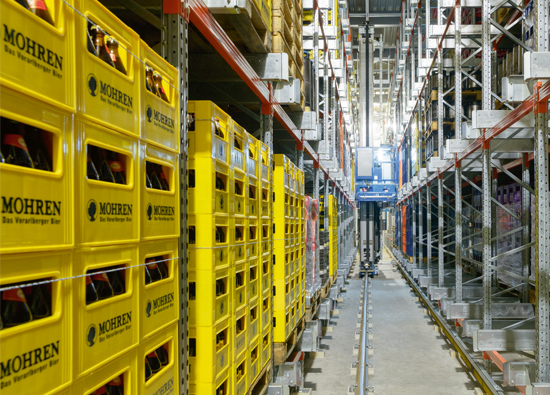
{"type": "Point", "coordinates": [101, 50]}
{"type": "Point", "coordinates": [220, 185]}
{"type": "Point", "coordinates": [112, 45]}
{"type": "Point", "coordinates": [148, 372]}
{"type": "Point", "coordinates": [152, 267]}
{"type": "Point", "coordinates": [91, 171]}
{"type": "Point", "coordinates": [2, 160]}
{"type": "Point", "coordinates": [154, 362]}
{"type": "Point", "coordinates": [39, 300]}
{"type": "Point", "coordinates": [102, 285]}
{"type": "Point", "coordinates": [163, 180]}
{"type": "Point", "coordinates": [90, 41]}
{"type": "Point", "coordinates": [220, 235]}
{"type": "Point", "coordinates": [40, 9]}
{"type": "Point", "coordinates": [238, 190]}
{"type": "Point", "coordinates": [14, 308]}
{"type": "Point", "coordinates": [1, 323]}
{"type": "Point", "coordinates": [163, 267]}
{"type": "Point", "coordinates": [153, 177]}
{"type": "Point", "coordinates": [162, 354]}
{"type": "Point", "coordinates": [38, 150]}
{"type": "Point", "coordinates": [101, 391]}
{"type": "Point", "coordinates": [105, 173]}
{"type": "Point", "coordinates": [149, 81]}
{"type": "Point", "coordinates": [117, 282]}
{"type": "Point", "coordinates": [91, 294]}
{"type": "Point", "coordinates": [157, 79]}
{"type": "Point", "coordinates": [148, 183]}
{"type": "Point", "coordinates": [14, 146]}
{"type": "Point", "coordinates": [23, 3]}
{"type": "Point", "coordinates": [116, 386]}
{"type": "Point", "coordinates": [220, 340]}
{"type": "Point", "coordinates": [116, 167]}
{"type": "Point", "coordinates": [220, 287]}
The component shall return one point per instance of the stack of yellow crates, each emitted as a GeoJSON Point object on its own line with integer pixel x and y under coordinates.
{"type": "Point", "coordinates": [265, 253]}
{"type": "Point", "coordinates": [300, 262]}
{"type": "Point", "coordinates": [282, 248]}
{"type": "Point", "coordinates": [81, 137]}
{"type": "Point", "coordinates": [251, 357]}
{"type": "Point", "coordinates": [230, 254]}
{"type": "Point", "coordinates": [333, 235]}
{"type": "Point", "coordinates": [216, 282]}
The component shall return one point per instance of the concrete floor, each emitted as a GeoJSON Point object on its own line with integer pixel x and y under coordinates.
{"type": "Point", "coordinates": [410, 357]}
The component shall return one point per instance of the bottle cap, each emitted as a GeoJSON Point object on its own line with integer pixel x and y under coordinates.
{"type": "Point", "coordinates": [101, 277]}
{"type": "Point", "coordinates": [116, 166]}
{"type": "Point", "coordinates": [116, 382]}
{"type": "Point", "coordinates": [151, 263]}
{"type": "Point", "coordinates": [15, 140]}
{"type": "Point", "coordinates": [14, 295]}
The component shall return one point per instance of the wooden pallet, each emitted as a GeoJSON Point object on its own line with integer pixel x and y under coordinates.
{"type": "Point", "coordinates": [281, 351]}
{"type": "Point", "coordinates": [261, 384]}
{"type": "Point", "coordinates": [314, 303]}
{"type": "Point", "coordinates": [246, 28]}
{"type": "Point", "coordinates": [325, 288]}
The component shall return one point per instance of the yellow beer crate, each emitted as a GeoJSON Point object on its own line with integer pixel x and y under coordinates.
{"type": "Point", "coordinates": [252, 157]}
{"type": "Point", "coordinates": [292, 289]}
{"type": "Point", "coordinates": [238, 206]}
{"type": "Point", "coordinates": [253, 244]}
{"type": "Point", "coordinates": [253, 321]}
{"type": "Point", "coordinates": [239, 275]}
{"type": "Point", "coordinates": [159, 117]}
{"type": "Point", "coordinates": [293, 315]}
{"type": "Point", "coordinates": [210, 293]}
{"type": "Point", "coordinates": [240, 375]}
{"type": "Point", "coordinates": [210, 355]}
{"type": "Point", "coordinates": [108, 94]}
{"type": "Point", "coordinates": [165, 379]}
{"type": "Point", "coordinates": [239, 144]}
{"type": "Point", "coordinates": [265, 203]}
{"type": "Point", "coordinates": [266, 280]}
{"type": "Point", "coordinates": [159, 298]}
{"type": "Point", "coordinates": [39, 54]}
{"type": "Point", "coordinates": [37, 207]}
{"type": "Point", "coordinates": [106, 213]}
{"type": "Point", "coordinates": [209, 132]}
{"type": "Point", "coordinates": [281, 294]}
{"type": "Point", "coordinates": [281, 233]}
{"type": "Point", "coordinates": [266, 348]}
{"type": "Point", "coordinates": [254, 286]}
{"type": "Point", "coordinates": [281, 200]}
{"type": "Point", "coordinates": [265, 241]}
{"type": "Point", "coordinates": [281, 170]}
{"type": "Point", "coordinates": [238, 231]}
{"type": "Point", "coordinates": [107, 328]}
{"type": "Point", "coordinates": [240, 321]}
{"type": "Point", "coordinates": [201, 258]}
{"type": "Point", "coordinates": [281, 324]}
{"type": "Point", "coordinates": [37, 355]}
{"type": "Point", "coordinates": [252, 198]}
{"type": "Point", "coordinates": [160, 208]}
{"type": "Point", "coordinates": [222, 386]}
{"type": "Point", "coordinates": [210, 231]}
{"type": "Point", "coordinates": [292, 179]}
{"type": "Point", "coordinates": [264, 173]}
{"type": "Point", "coordinates": [209, 185]}
{"type": "Point", "coordinates": [281, 264]}
{"type": "Point", "coordinates": [291, 207]}
{"type": "Point", "coordinates": [267, 312]}
{"type": "Point", "coordinates": [253, 360]}
{"type": "Point", "coordinates": [123, 371]}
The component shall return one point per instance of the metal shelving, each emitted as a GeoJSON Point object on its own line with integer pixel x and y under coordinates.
{"type": "Point", "coordinates": [495, 320]}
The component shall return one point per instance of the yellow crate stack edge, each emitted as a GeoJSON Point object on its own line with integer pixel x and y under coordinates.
{"type": "Point", "coordinates": [77, 224]}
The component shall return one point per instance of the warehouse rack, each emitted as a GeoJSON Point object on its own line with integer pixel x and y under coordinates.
{"type": "Point", "coordinates": [453, 198]}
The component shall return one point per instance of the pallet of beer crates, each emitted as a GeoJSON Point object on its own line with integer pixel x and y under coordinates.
{"type": "Point", "coordinates": [333, 236]}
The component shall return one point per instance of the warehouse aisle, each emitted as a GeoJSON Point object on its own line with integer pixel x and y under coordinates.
{"type": "Point", "coordinates": [410, 357]}
{"type": "Point", "coordinates": [331, 375]}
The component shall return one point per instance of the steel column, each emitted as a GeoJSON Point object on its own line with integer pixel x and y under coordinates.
{"type": "Point", "coordinates": [458, 231]}
{"type": "Point", "coordinates": [441, 222]}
